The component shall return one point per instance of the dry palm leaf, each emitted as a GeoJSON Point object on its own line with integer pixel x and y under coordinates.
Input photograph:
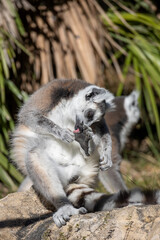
{"type": "Point", "coordinates": [67, 40]}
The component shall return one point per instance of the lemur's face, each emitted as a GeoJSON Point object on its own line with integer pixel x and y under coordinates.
{"type": "Point", "coordinates": [96, 101]}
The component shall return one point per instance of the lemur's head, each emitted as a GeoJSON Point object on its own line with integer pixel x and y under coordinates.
{"type": "Point", "coordinates": [124, 117]}
{"type": "Point", "coordinates": [131, 107]}
{"type": "Point", "coordinates": [93, 105]}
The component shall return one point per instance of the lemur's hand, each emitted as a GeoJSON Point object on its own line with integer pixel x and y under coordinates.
{"type": "Point", "coordinates": [64, 213]}
{"type": "Point", "coordinates": [67, 135]}
{"type": "Point", "coordinates": [84, 139]}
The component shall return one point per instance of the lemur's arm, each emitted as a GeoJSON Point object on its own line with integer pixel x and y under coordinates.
{"type": "Point", "coordinates": [105, 144]}
{"type": "Point", "coordinates": [40, 124]}
{"type": "Point", "coordinates": [102, 138]}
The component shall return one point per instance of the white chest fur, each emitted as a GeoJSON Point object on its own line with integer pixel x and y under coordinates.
{"type": "Point", "coordinates": [68, 160]}
{"type": "Point", "coordinates": [63, 115]}
{"type": "Point", "coordinates": [64, 153]}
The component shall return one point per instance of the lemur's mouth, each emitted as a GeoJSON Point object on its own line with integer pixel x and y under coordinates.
{"type": "Point", "coordinates": [78, 126]}
{"type": "Point", "coordinates": [76, 130]}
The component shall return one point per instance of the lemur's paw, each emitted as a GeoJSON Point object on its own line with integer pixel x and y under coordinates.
{"type": "Point", "coordinates": [89, 132]}
{"type": "Point", "coordinates": [106, 160]}
{"type": "Point", "coordinates": [84, 138]}
{"type": "Point", "coordinates": [64, 213]}
{"type": "Point", "coordinates": [67, 136]}
{"type": "Point", "coordinates": [88, 139]}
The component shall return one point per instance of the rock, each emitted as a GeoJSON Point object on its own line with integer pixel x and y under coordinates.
{"type": "Point", "coordinates": [24, 216]}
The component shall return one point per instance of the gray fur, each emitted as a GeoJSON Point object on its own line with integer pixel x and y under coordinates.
{"type": "Point", "coordinates": [65, 173]}
{"type": "Point", "coordinates": [105, 150]}
{"type": "Point", "coordinates": [40, 124]}
{"type": "Point", "coordinates": [26, 184]}
{"type": "Point", "coordinates": [65, 212]}
{"type": "Point", "coordinates": [47, 151]}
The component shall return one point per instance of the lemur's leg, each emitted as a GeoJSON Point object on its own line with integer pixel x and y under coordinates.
{"type": "Point", "coordinates": [25, 185]}
{"type": "Point", "coordinates": [105, 151]}
{"type": "Point", "coordinates": [40, 124]}
{"type": "Point", "coordinates": [83, 196]}
{"type": "Point", "coordinates": [44, 176]}
{"type": "Point", "coordinates": [112, 180]}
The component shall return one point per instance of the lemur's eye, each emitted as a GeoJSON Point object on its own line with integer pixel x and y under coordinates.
{"type": "Point", "coordinates": [89, 114]}
{"type": "Point", "coordinates": [133, 103]}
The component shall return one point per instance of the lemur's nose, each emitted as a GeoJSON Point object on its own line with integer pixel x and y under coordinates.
{"type": "Point", "coordinates": [79, 124]}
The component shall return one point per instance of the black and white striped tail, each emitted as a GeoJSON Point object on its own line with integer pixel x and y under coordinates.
{"type": "Point", "coordinates": [82, 196]}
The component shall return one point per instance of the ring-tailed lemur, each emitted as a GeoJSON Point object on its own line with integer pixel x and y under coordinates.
{"type": "Point", "coordinates": [58, 167]}
{"type": "Point", "coordinates": [120, 123]}
{"type": "Point", "coordinates": [46, 149]}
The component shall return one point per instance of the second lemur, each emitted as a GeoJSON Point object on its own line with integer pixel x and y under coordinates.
{"type": "Point", "coordinates": [120, 123]}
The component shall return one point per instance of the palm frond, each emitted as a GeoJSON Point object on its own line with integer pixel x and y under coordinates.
{"type": "Point", "coordinates": [10, 30]}
{"type": "Point", "coordinates": [139, 35]}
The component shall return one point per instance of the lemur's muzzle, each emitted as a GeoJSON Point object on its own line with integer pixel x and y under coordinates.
{"type": "Point", "coordinates": [78, 126]}
{"type": "Point", "coordinates": [88, 116]}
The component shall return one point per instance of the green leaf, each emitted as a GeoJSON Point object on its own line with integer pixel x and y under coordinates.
{"type": "Point", "coordinates": [3, 61]}
{"type": "Point", "coordinates": [2, 145]}
{"type": "Point", "coordinates": [15, 14]}
{"type": "Point", "coordinates": [120, 89]}
{"type": "Point", "coordinates": [6, 113]}
{"type": "Point", "coordinates": [18, 44]}
{"type": "Point", "coordinates": [2, 88]}
{"type": "Point", "coordinates": [11, 55]}
{"type": "Point", "coordinates": [137, 77]}
{"type": "Point", "coordinates": [12, 87]}
{"type": "Point", "coordinates": [10, 168]}
{"type": "Point", "coordinates": [127, 64]}
{"type": "Point", "coordinates": [152, 99]}
{"type": "Point", "coordinates": [6, 179]}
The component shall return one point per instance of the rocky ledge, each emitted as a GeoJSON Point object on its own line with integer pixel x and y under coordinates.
{"type": "Point", "coordinates": [24, 216]}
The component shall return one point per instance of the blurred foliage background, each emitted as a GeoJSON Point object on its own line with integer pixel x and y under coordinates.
{"type": "Point", "coordinates": [114, 44]}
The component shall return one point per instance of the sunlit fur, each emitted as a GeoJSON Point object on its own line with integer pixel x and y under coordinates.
{"type": "Point", "coordinates": [47, 153]}
{"type": "Point", "coordinates": [43, 145]}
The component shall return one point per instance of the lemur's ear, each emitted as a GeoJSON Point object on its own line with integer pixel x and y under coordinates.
{"type": "Point", "coordinates": [94, 92]}
{"type": "Point", "coordinates": [97, 95]}
{"type": "Point", "coordinates": [134, 95]}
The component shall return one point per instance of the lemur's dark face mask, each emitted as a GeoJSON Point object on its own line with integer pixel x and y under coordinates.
{"type": "Point", "coordinates": [98, 101]}
{"type": "Point", "coordinates": [91, 116]}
